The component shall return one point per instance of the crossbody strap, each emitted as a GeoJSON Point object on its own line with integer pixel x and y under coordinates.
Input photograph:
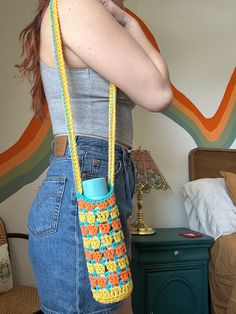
{"type": "Point", "coordinates": [67, 107]}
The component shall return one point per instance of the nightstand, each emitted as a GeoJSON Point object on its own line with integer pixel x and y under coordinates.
{"type": "Point", "coordinates": [170, 273]}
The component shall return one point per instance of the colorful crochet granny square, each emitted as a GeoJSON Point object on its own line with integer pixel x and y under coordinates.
{"type": "Point", "coordinates": [105, 250]}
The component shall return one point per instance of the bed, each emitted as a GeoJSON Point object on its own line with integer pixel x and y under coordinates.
{"type": "Point", "coordinates": [208, 163]}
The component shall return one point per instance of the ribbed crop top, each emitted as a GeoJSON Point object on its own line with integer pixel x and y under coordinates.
{"type": "Point", "coordinates": [89, 94]}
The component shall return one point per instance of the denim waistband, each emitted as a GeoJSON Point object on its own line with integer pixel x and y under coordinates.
{"type": "Point", "coordinates": [96, 145]}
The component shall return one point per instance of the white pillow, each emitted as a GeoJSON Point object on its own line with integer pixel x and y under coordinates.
{"type": "Point", "coordinates": [193, 220]}
{"type": "Point", "coordinates": [209, 207]}
{"type": "Point", "coordinates": [6, 282]}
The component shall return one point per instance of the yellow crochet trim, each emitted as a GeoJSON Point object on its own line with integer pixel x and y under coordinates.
{"type": "Point", "coordinates": [61, 62]}
{"type": "Point", "coordinates": [116, 293]}
{"type": "Point", "coordinates": [112, 135]}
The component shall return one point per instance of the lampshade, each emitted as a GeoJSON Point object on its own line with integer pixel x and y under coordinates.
{"type": "Point", "coordinates": [148, 175]}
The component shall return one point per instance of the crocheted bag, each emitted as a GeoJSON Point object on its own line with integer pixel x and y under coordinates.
{"type": "Point", "coordinates": [103, 238]}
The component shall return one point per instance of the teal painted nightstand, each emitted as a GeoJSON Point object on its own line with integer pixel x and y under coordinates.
{"type": "Point", "coordinates": [170, 273]}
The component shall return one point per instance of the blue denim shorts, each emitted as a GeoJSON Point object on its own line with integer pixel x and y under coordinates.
{"type": "Point", "coordinates": [55, 241]}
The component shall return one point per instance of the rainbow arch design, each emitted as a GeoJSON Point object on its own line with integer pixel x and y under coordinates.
{"type": "Point", "coordinates": [216, 131]}
{"type": "Point", "coordinates": [28, 157]}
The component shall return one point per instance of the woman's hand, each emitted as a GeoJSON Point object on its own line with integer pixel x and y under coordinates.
{"type": "Point", "coordinates": [120, 15]}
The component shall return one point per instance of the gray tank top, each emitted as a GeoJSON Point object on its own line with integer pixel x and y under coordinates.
{"type": "Point", "coordinates": [89, 94]}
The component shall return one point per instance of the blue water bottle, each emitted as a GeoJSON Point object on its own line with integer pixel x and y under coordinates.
{"type": "Point", "coordinates": [95, 188]}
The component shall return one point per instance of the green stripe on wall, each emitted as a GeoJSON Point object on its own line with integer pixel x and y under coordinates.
{"type": "Point", "coordinates": [225, 140]}
{"type": "Point", "coordinates": [28, 171]}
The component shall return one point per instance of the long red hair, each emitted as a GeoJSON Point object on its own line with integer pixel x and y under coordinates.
{"type": "Point", "coordinates": [30, 40]}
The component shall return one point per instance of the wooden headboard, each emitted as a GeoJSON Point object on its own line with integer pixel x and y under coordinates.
{"type": "Point", "coordinates": [208, 162]}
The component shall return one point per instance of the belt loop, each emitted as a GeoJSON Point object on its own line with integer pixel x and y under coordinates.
{"type": "Point", "coordinates": [52, 144]}
{"type": "Point", "coordinates": [123, 155]}
{"type": "Point", "coordinates": [127, 179]}
{"type": "Point", "coordinates": [60, 143]}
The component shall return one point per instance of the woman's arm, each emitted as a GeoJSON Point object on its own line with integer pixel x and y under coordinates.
{"type": "Point", "coordinates": [115, 52]}
{"type": "Point", "coordinates": [135, 30]}
{"type": "Point", "coordinates": [137, 33]}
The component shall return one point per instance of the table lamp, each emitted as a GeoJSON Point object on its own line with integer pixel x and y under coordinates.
{"type": "Point", "coordinates": [148, 177]}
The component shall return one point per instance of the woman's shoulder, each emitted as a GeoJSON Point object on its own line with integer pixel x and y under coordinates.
{"type": "Point", "coordinates": [70, 8]}
{"type": "Point", "coordinates": [46, 43]}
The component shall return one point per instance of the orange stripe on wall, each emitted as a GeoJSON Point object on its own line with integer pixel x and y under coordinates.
{"type": "Point", "coordinates": [24, 140]}
{"type": "Point", "coordinates": [145, 29]}
{"type": "Point", "coordinates": [209, 123]}
{"type": "Point", "coordinates": [28, 150]}
{"type": "Point", "coordinates": [28, 135]}
{"type": "Point", "coordinates": [216, 133]}
{"type": "Point", "coordinates": [227, 97]}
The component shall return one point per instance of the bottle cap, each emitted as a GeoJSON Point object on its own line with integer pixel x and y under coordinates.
{"type": "Point", "coordinates": [95, 188]}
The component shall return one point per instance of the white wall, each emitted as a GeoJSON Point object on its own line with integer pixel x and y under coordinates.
{"type": "Point", "coordinates": [197, 40]}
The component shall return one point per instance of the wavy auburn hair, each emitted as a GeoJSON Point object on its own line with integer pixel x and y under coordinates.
{"type": "Point", "coordinates": [30, 41]}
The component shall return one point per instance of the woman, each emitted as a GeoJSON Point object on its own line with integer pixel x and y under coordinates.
{"type": "Point", "coordinates": [101, 44]}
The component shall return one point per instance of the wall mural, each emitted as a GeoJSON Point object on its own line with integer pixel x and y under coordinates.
{"type": "Point", "coordinates": [28, 157]}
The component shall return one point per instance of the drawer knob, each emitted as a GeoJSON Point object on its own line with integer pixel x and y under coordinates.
{"type": "Point", "coordinates": [176, 253]}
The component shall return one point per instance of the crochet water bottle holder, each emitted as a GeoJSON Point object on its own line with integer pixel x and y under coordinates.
{"type": "Point", "coordinates": [103, 238]}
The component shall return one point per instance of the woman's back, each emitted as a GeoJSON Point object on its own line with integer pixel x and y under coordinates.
{"type": "Point", "coordinates": [89, 94]}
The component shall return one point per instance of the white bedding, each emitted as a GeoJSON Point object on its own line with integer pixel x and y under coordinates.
{"type": "Point", "coordinates": [209, 207]}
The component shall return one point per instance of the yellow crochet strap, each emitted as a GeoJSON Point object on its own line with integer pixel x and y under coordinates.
{"type": "Point", "coordinates": [66, 97]}
{"type": "Point", "coordinates": [67, 107]}
{"type": "Point", "coordinates": [112, 135]}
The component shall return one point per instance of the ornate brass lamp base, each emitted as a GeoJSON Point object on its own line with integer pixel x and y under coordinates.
{"type": "Point", "coordinates": [139, 227]}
